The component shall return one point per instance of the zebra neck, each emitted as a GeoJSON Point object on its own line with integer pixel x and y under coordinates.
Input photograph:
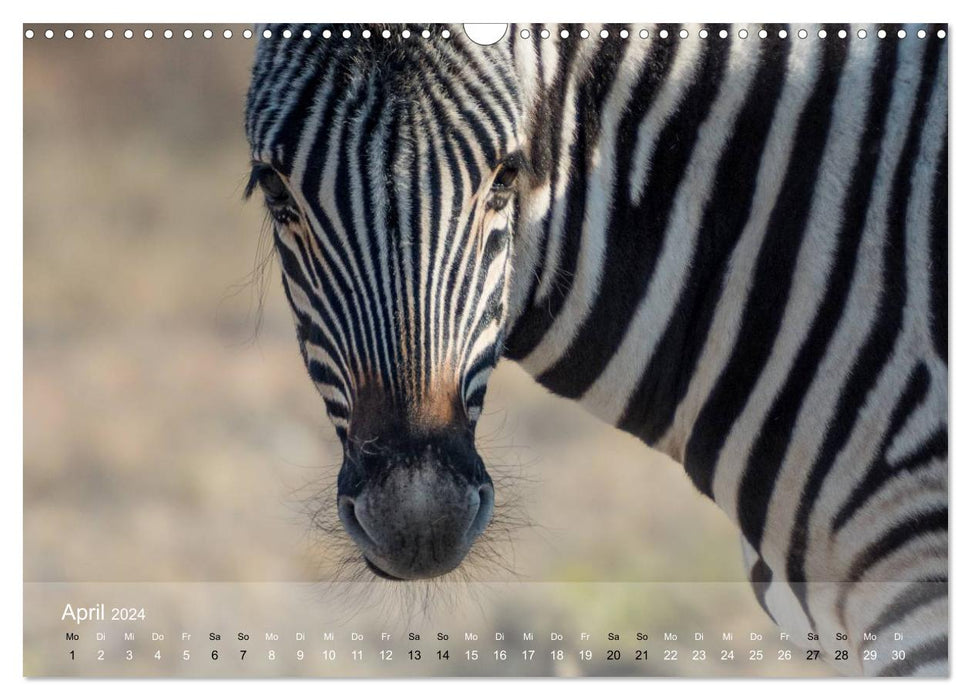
{"type": "Point", "coordinates": [629, 360]}
{"type": "Point", "coordinates": [619, 263]}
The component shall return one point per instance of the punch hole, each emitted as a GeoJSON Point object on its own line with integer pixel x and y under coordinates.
{"type": "Point", "coordinates": [287, 34]}
{"type": "Point", "coordinates": [187, 33]}
{"type": "Point", "coordinates": [604, 34]}
{"type": "Point", "coordinates": [366, 34]}
{"type": "Point", "coordinates": [68, 34]}
{"type": "Point", "coordinates": [327, 34]}
{"type": "Point", "coordinates": [545, 33]}
{"type": "Point", "coordinates": [425, 34]}
{"type": "Point", "coordinates": [109, 33]}
{"type": "Point", "coordinates": [406, 34]}
{"type": "Point", "coordinates": [882, 33]}
{"type": "Point", "coordinates": [485, 34]}
{"type": "Point", "coordinates": [723, 33]}
{"type": "Point", "coordinates": [743, 34]}
{"type": "Point", "coordinates": [524, 33]}
{"type": "Point", "coordinates": [564, 34]}
{"type": "Point", "coordinates": [841, 33]}
{"type": "Point", "coordinates": [941, 34]}
{"type": "Point", "coordinates": [446, 34]}
{"type": "Point", "coordinates": [129, 33]}
{"type": "Point", "coordinates": [148, 34]}
{"type": "Point", "coordinates": [247, 34]}
{"type": "Point", "coordinates": [228, 34]}
{"type": "Point", "coordinates": [88, 34]}
{"type": "Point", "coordinates": [29, 33]}
{"type": "Point", "coordinates": [821, 33]}
{"type": "Point", "coordinates": [267, 33]}
{"type": "Point", "coordinates": [683, 34]}
{"type": "Point", "coordinates": [346, 33]}
{"type": "Point", "coordinates": [624, 33]}
{"type": "Point", "coordinates": [803, 33]}
{"type": "Point", "coordinates": [861, 33]}
{"type": "Point", "coordinates": [763, 34]}
{"type": "Point", "coordinates": [921, 34]}
{"type": "Point", "coordinates": [902, 34]}
{"type": "Point", "coordinates": [783, 34]}
{"type": "Point", "coordinates": [584, 34]}
{"type": "Point", "coordinates": [663, 34]}
{"type": "Point", "coordinates": [306, 33]}
{"type": "Point", "coordinates": [703, 33]}
{"type": "Point", "coordinates": [642, 34]}
{"type": "Point", "coordinates": [49, 34]}
{"type": "Point", "coordinates": [386, 34]}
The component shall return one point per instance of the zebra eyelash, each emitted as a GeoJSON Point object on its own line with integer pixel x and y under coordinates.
{"type": "Point", "coordinates": [254, 179]}
{"type": "Point", "coordinates": [498, 199]}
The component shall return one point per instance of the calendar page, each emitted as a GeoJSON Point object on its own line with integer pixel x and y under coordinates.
{"type": "Point", "coordinates": [422, 350]}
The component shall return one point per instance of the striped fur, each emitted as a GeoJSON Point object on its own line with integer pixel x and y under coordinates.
{"type": "Point", "coordinates": [734, 249]}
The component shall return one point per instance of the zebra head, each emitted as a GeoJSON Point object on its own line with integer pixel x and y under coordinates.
{"type": "Point", "coordinates": [389, 168]}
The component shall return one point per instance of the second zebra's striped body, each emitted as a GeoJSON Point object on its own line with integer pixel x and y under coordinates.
{"type": "Point", "coordinates": [734, 249]}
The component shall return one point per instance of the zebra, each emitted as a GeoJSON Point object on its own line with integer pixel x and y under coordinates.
{"type": "Point", "coordinates": [727, 240]}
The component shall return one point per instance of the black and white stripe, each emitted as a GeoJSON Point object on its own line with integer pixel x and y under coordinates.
{"type": "Point", "coordinates": [732, 248]}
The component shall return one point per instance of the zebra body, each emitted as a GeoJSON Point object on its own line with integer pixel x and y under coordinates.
{"type": "Point", "coordinates": [734, 249]}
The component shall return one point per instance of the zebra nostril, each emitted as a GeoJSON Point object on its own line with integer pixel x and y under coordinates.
{"type": "Point", "coordinates": [347, 512]}
{"type": "Point", "coordinates": [486, 498]}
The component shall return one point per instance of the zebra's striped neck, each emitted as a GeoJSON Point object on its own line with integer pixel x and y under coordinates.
{"type": "Point", "coordinates": [675, 226]}
{"type": "Point", "coordinates": [624, 137]}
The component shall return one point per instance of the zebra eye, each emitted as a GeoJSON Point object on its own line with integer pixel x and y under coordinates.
{"type": "Point", "coordinates": [506, 177]}
{"type": "Point", "coordinates": [273, 187]}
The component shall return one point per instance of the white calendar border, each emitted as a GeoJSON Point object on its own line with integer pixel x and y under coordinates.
{"type": "Point", "coordinates": [11, 303]}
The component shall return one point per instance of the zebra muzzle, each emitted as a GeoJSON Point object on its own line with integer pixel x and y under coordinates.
{"type": "Point", "coordinates": [417, 519]}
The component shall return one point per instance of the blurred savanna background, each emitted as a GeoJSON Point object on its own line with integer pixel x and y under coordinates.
{"type": "Point", "coordinates": [170, 431]}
